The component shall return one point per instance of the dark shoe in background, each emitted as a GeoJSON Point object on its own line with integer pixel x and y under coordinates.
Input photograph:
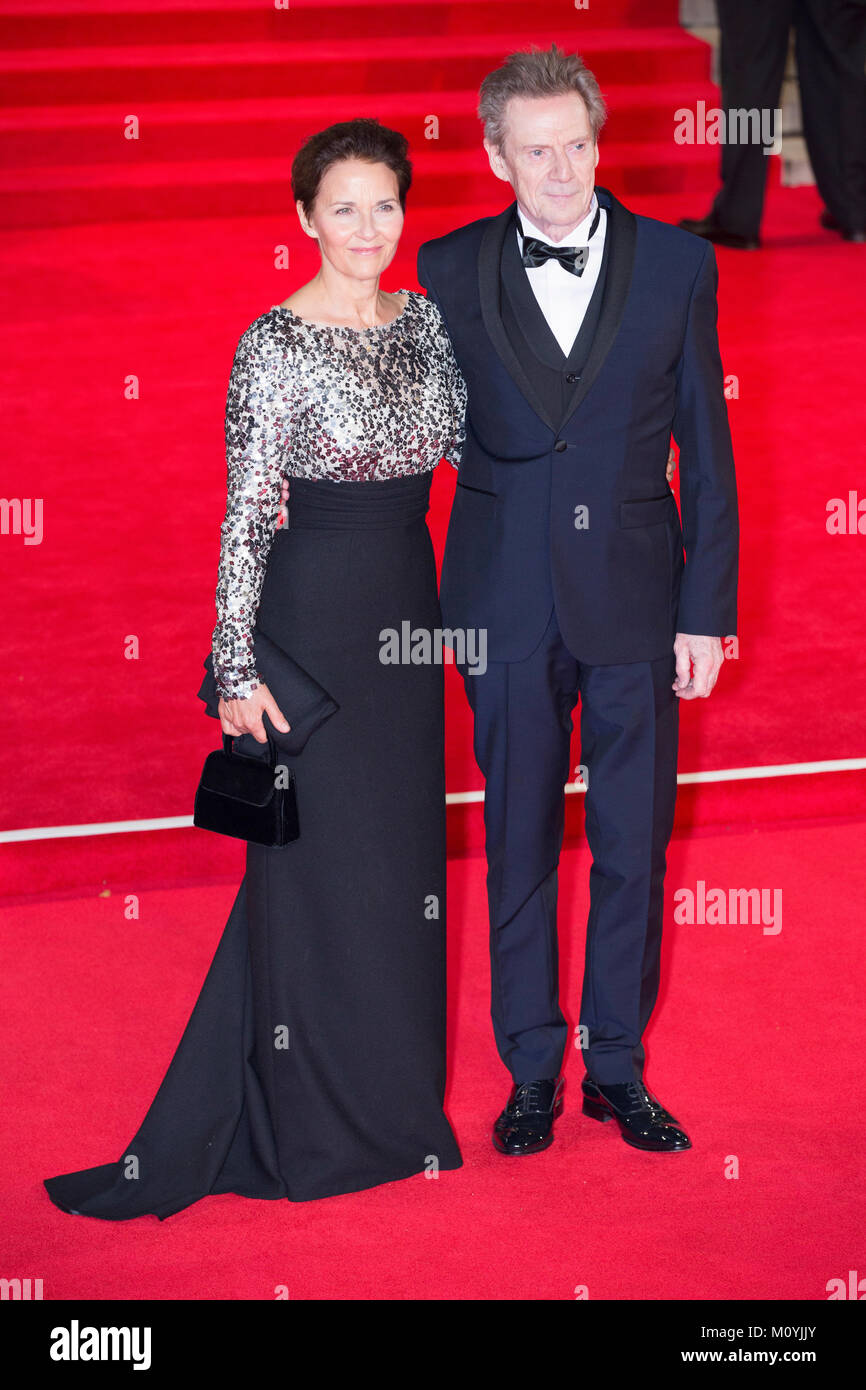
{"type": "Point", "coordinates": [711, 231]}
{"type": "Point", "coordinates": [847, 233]}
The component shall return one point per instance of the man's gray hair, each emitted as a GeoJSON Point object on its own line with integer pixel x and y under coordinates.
{"type": "Point", "coordinates": [537, 72]}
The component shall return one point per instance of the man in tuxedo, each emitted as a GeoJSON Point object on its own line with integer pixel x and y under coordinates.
{"type": "Point", "coordinates": [587, 336]}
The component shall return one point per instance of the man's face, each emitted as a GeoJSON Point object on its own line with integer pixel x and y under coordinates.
{"type": "Point", "coordinates": [549, 157]}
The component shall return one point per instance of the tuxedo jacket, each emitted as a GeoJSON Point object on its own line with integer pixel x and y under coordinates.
{"type": "Point", "coordinates": [561, 498]}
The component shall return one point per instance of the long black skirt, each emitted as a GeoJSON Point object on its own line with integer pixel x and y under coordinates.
{"type": "Point", "coordinates": [314, 1060]}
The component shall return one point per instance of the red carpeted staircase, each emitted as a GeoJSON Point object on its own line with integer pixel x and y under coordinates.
{"type": "Point", "coordinates": [224, 91]}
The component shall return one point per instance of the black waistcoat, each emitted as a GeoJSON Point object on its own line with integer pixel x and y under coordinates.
{"type": "Point", "coordinates": [553, 374]}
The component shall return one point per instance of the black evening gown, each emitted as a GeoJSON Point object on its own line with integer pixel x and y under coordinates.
{"type": "Point", "coordinates": [314, 1060]}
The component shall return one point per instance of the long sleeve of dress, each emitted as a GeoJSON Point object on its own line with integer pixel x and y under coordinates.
{"type": "Point", "coordinates": [258, 422]}
{"type": "Point", "coordinates": [457, 391]}
{"type": "Point", "coordinates": [459, 396]}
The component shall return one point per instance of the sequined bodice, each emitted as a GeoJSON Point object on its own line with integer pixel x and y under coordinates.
{"type": "Point", "coordinates": [312, 400]}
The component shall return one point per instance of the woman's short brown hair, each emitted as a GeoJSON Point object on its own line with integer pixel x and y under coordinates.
{"type": "Point", "coordinates": [364, 138]}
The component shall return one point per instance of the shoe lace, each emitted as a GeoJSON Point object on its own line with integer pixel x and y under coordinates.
{"type": "Point", "coordinates": [639, 1093]}
{"type": "Point", "coordinates": [527, 1098]}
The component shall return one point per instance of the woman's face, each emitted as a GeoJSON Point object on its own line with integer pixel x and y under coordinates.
{"type": "Point", "coordinates": [356, 218]}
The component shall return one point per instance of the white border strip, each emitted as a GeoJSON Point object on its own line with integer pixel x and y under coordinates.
{"type": "Point", "coordinates": [728, 774]}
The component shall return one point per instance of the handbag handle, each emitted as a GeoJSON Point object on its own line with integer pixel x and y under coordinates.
{"type": "Point", "coordinates": [228, 740]}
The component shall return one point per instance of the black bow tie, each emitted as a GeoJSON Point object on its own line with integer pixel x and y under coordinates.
{"type": "Point", "coordinates": [571, 258]}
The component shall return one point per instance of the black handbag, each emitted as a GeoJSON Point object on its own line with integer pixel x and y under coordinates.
{"type": "Point", "coordinates": [239, 795]}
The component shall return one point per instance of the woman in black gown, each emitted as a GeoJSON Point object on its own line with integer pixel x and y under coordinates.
{"type": "Point", "coordinates": [314, 1060]}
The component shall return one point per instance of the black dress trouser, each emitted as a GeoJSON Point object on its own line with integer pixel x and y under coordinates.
{"type": "Point", "coordinates": [628, 728]}
{"type": "Point", "coordinates": [830, 39]}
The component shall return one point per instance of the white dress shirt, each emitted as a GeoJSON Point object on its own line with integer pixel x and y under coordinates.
{"type": "Point", "coordinates": [563, 297]}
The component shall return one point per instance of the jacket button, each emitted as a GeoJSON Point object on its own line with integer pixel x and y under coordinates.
{"type": "Point", "coordinates": [560, 446]}
{"type": "Point", "coordinates": [571, 378]}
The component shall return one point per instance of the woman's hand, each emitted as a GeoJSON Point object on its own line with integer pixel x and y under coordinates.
{"type": "Point", "coordinates": [239, 717]}
{"type": "Point", "coordinates": [672, 465]}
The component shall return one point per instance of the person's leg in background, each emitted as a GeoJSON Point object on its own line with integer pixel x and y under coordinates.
{"type": "Point", "coordinates": [754, 47]}
{"type": "Point", "coordinates": [831, 52]}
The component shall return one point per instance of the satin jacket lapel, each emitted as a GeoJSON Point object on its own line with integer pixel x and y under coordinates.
{"type": "Point", "coordinates": [489, 258]}
{"type": "Point", "coordinates": [622, 228]}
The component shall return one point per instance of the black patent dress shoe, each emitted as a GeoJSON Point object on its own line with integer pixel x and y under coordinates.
{"type": "Point", "coordinates": [711, 231]}
{"type": "Point", "coordinates": [643, 1121]}
{"type": "Point", "coordinates": [526, 1124]}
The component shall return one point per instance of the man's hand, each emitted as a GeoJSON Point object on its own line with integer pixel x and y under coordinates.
{"type": "Point", "coordinates": [705, 653]}
{"type": "Point", "coordinates": [671, 465]}
{"type": "Point", "coordinates": [283, 513]}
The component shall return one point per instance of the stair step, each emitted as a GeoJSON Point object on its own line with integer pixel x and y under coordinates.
{"type": "Point", "coordinates": [217, 71]}
{"type": "Point", "coordinates": [276, 126]}
{"type": "Point", "coordinates": [56, 196]}
{"type": "Point", "coordinates": [109, 23]}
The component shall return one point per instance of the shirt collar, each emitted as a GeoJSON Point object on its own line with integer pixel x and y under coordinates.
{"type": "Point", "coordinates": [575, 238]}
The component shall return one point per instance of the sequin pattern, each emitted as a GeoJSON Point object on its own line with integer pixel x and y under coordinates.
{"type": "Point", "coordinates": [311, 400]}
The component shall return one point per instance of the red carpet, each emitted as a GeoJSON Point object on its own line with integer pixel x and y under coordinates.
{"type": "Point", "coordinates": [133, 489]}
{"type": "Point", "coordinates": [755, 1047]}
{"type": "Point", "coordinates": [139, 263]}
{"type": "Point", "coordinates": [134, 493]}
